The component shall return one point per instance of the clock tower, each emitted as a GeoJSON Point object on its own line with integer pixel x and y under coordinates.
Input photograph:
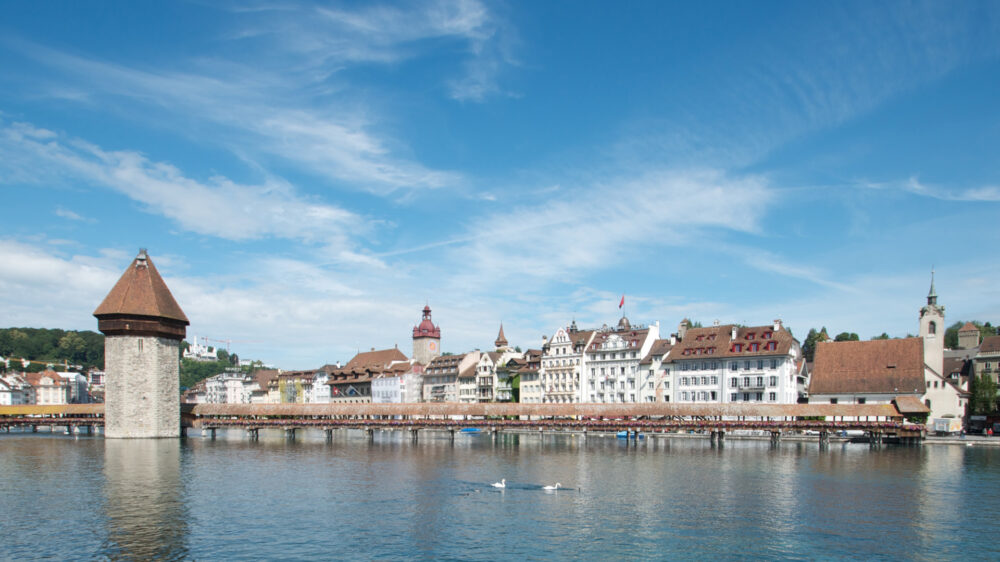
{"type": "Point", "coordinates": [426, 339]}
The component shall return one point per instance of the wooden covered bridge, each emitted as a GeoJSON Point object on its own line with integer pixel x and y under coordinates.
{"type": "Point", "coordinates": [875, 420]}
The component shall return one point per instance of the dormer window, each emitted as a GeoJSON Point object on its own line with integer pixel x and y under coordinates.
{"type": "Point", "coordinates": [737, 347]}
{"type": "Point", "coordinates": [754, 347]}
{"type": "Point", "coordinates": [766, 335]}
{"type": "Point", "coordinates": [750, 335]}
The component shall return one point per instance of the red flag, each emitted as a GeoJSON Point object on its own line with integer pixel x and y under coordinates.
{"type": "Point", "coordinates": [621, 304]}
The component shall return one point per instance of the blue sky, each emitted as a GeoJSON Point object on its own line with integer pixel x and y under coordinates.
{"type": "Point", "coordinates": [307, 176]}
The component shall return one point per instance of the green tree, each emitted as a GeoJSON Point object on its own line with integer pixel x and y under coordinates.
{"type": "Point", "coordinates": [884, 336]}
{"type": "Point", "coordinates": [812, 338]}
{"type": "Point", "coordinates": [984, 395]}
{"type": "Point", "coordinates": [73, 348]}
{"type": "Point", "coordinates": [845, 336]}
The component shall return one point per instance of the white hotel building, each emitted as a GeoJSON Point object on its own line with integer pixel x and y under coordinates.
{"type": "Point", "coordinates": [562, 366]}
{"type": "Point", "coordinates": [611, 370]}
{"type": "Point", "coordinates": [732, 364]}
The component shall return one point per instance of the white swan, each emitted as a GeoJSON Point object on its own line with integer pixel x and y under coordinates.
{"type": "Point", "coordinates": [556, 487]}
{"type": "Point", "coordinates": [501, 484]}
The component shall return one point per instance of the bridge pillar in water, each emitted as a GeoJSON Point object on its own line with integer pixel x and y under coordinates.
{"type": "Point", "coordinates": [328, 433]}
{"type": "Point", "coordinates": [413, 434]}
{"type": "Point", "coordinates": [290, 433]}
{"type": "Point", "coordinates": [34, 429]}
{"type": "Point", "coordinates": [451, 433]}
{"type": "Point", "coordinates": [824, 438]}
{"type": "Point", "coordinates": [143, 327]}
{"type": "Point", "coordinates": [371, 434]}
{"type": "Point", "coordinates": [775, 437]}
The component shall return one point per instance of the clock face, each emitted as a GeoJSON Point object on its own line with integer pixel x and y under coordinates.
{"type": "Point", "coordinates": [433, 346]}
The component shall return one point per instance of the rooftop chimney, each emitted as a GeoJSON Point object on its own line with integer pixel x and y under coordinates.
{"type": "Point", "coordinates": [777, 324]}
{"type": "Point", "coordinates": [732, 334]}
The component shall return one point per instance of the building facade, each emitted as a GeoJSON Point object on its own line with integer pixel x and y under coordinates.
{"type": "Point", "coordinates": [426, 339]}
{"type": "Point", "coordinates": [611, 367]}
{"type": "Point", "coordinates": [562, 366]}
{"type": "Point", "coordinates": [730, 364]}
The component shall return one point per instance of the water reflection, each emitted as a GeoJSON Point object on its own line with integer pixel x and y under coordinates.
{"type": "Point", "coordinates": [144, 501]}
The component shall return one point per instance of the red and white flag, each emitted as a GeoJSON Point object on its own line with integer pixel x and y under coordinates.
{"type": "Point", "coordinates": [622, 303]}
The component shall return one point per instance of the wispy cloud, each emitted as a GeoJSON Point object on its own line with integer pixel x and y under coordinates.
{"type": "Point", "coordinates": [325, 40]}
{"type": "Point", "coordinates": [217, 207]}
{"type": "Point", "coordinates": [986, 194]}
{"type": "Point", "coordinates": [609, 223]}
{"type": "Point", "coordinates": [259, 114]}
{"type": "Point", "coordinates": [67, 214]}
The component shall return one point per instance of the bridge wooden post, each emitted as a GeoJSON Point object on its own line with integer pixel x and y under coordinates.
{"type": "Point", "coordinates": [584, 434]}
{"type": "Point", "coordinates": [722, 436]}
{"type": "Point", "coordinates": [413, 434]}
{"type": "Point", "coordinates": [824, 438]}
{"type": "Point", "coordinates": [34, 429]}
{"type": "Point", "coordinates": [775, 437]}
{"type": "Point", "coordinates": [290, 433]}
{"type": "Point", "coordinates": [370, 433]}
{"type": "Point", "coordinates": [328, 431]}
{"type": "Point", "coordinates": [451, 433]}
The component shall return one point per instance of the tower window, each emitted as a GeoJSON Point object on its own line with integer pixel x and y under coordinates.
{"type": "Point", "coordinates": [932, 328]}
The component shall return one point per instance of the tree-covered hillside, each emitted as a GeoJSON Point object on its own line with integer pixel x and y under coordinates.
{"type": "Point", "coordinates": [56, 346]}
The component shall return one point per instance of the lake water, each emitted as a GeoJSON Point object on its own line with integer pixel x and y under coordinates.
{"type": "Point", "coordinates": [86, 498]}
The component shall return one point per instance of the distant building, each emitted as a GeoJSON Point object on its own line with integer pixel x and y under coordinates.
{"type": "Point", "coordinates": [529, 389]}
{"type": "Point", "coordinates": [77, 385]}
{"type": "Point", "coordinates": [611, 372]}
{"type": "Point", "coordinates": [987, 360]}
{"type": "Point", "coordinates": [968, 336]}
{"type": "Point", "coordinates": [733, 364]}
{"type": "Point", "coordinates": [909, 372]}
{"type": "Point", "coordinates": [49, 388]}
{"type": "Point", "coordinates": [353, 382]}
{"type": "Point", "coordinates": [200, 352]}
{"type": "Point", "coordinates": [405, 387]}
{"type": "Point", "coordinates": [16, 390]}
{"type": "Point", "coordinates": [561, 368]}
{"type": "Point", "coordinates": [654, 383]}
{"type": "Point", "coordinates": [426, 339]}
{"type": "Point", "coordinates": [441, 377]}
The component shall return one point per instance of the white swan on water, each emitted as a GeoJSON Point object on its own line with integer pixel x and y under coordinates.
{"type": "Point", "coordinates": [556, 487]}
{"type": "Point", "coordinates": [501, 484]}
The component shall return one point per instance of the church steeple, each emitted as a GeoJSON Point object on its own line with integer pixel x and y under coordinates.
{"type": "Point", "coordinates": [501, 340]}
{"type": "Point", "coordinates": [932, 295]}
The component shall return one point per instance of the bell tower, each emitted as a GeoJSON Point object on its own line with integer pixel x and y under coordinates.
{"type": "Point", "coordinates": [143, 327]}
{"type": "Point", "coordinates": [932, 331]}
{"type": "Point", "coordinates": [426, 339]}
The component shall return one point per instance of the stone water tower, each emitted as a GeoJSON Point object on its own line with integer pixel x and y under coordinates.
{"type": "Point", "coordinates": [143, 327]}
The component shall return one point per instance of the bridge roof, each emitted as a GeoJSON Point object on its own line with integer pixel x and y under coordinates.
{"type": "Point", "coordinates": [551, 410]}
{"type": "Point", "coordinates": [52, 409]}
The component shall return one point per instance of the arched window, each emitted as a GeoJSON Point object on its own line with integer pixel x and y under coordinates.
{"type": "Point", "coordinates": [932, 328]}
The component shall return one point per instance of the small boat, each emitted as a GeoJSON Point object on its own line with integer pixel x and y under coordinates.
{"type": "Point", "coordinates": [470, 430]}
{"type": "Point", "coordinates": [625, 435]}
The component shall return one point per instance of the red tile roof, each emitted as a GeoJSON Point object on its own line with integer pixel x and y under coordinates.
{"type": "Point", "coordinates": [870, 367]}
{"type": "Point", "coordinates": [660, 348]}
{"type": "Point", "coordinates": [968, 327]}
{"type": "Point", "coordinates": [990, 344]}
{"type": "Point", "coordinates": [717, 342]}
{"type": "Point", "coordinates": [141, 292]}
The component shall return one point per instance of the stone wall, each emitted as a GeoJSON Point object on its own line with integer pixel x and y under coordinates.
{"type": "Point", "coordinates": [142, 387]}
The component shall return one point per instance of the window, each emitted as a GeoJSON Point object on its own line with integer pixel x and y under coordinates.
{"type": "Point", "coordinates": [684, 381]}
{"type": "Point", "coordinates": [760, 396]}
{"type": "Point", "coordinates": [704, 380]}
{"type": "Point", "coordinates": [713, 396]}
{"type": "Point", "coordinates": [715, 380]}
{"type": "Point", "coordinates": [746, 365]}
{"type": "Point", "coordinates": [746, 381]}
{"type": "Point", "coordinates": [772, 396]}
{"type": "Point", "coordinates": [863, 400]}
{"type": "Point", "coordinates": [684, 395]}
{"type": "Point", "coordinates": [760, 364]}
{"type": "Point", "coordinates": [774, 362]}
{"type": "Point", "coordinates": [772, 381]}
{"type": "Point", "coordinates": [732, 397]}
{"type": "Point", "coordinates": [833, 400]}
{"type": "Point", "coordinates": [737, 347]}
{"type": "Point", "coordinates": [734, 382]}
{"type": "Point", "coordinates": [750, 336]}
{"type": "Point", "coordinates": [746, 396]}
{"type": "Point", "coordinates": [732, 365]}
{"type": "Point", "coordinates": [760, 381]}
{"type": "Point", "coordinates": [932, 328]}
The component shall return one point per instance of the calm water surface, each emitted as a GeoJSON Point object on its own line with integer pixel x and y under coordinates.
{"type": "Point", "coordinates": [87, 498]}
